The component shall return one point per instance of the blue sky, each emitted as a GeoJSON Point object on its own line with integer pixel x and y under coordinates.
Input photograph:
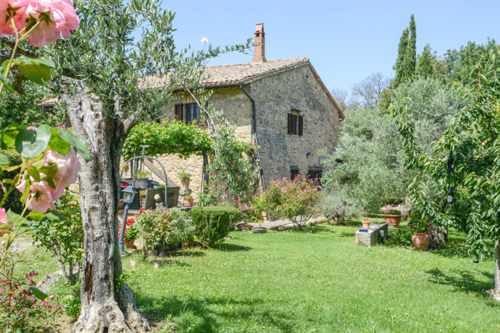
{"type": "Point", "coordinates": [345, 40]}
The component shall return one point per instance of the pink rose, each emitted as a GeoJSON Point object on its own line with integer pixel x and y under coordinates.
{"type": "Point", "coordinates": [10, 9]}
{"type": "Point", "coordinates": [31, 128]}
{"type": "Point", "coordinates": [44, 195]}
{"type": "Point", "coordinates": [58, 16]}
{"type": "Point", "coordinates": [68, 166]}
{"type": "Point", "coordinates": [3, 216]}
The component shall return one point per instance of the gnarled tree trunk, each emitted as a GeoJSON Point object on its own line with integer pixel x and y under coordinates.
{"type": "Point", "coordinates": [104, 307]}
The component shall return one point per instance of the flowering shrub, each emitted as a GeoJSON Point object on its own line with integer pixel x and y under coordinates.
{"type": "Point", "coordinates": [296, 200]}
{"type": "Point", "coordinates": [160, 228]}
{"type": "Point", "coordinates": [388, 211]}
{"type": "Point", "coordinates": [419, 225]}
{"type": "Point", "coordinates": [23, 308]}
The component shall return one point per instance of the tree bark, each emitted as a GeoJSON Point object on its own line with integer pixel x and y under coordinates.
{"type": "Point", "coordinates": [104, 308]}
{"type": "Point", "coordinates": [436, 237]}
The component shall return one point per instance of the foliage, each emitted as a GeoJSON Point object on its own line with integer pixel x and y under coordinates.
{"type": "Point", "coordinates": [212, 223]}
{"type": "Point", "coordinates": [24, 308]}
{"type": "Point", "coordinates": [159, 228]}
{"type": "Point", "coordinates": [419, 225]}
{"type": "Point", "coordinates": [400, 236]}
{"type": "Point", "coordinates": [13, 200]}
{"type": "Point", "coordinates": [338, 208]}
{"type": "Point", "coordinates": [296, 200]}
{"type": "Point", "coordinates": [407, 55]}
{"type": "Point", "coordinates": [471, 173]}
{"type": "Point", "coordinates": [166, 138]}
{"type": "Point", "coordinates": [141, 174]}
{"type": "Point", "coordinates": [425, 66]}
{"type": "Point", "coordinates": [183, 174]}
{"type": "Point", "coordinates": [390, 211]}
{"type": "Point", "coordinates": [64, 238]}
{"type": "Point", "coordinates": [367, 166]}
{"type": "Point", "coordinates": [462, 64]}
{"type": "Point", "coordinates": [68, 297]}
{"type": "Point", "coordinates": [403, 46]}
{"type": "Point", "coordinates": [210, 195]}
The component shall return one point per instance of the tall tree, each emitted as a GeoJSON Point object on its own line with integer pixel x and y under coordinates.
{"type": "Point", "coordinates": [403, 45]}
{"type": "Point", "coordinates": [410, 62]}
{"type": "Point", "coordinates": [425, 66]}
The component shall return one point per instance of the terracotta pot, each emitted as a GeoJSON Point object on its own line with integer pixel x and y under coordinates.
{"type": "Point", "coordinates": [121, 203]}
{"type": "Point", "coordinates": [393, 220]}
{"type": "Point", "coordinates": [188, 203]}
{"type": "Point", "coordinates": [366, 224]}
{"type": "Point", "coordinates": [420, 240]}
{"type": "Point", "coordinates": [129, 244]}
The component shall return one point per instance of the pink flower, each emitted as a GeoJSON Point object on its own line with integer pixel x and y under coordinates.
{"type": "Point", "coordinates": [3, 243]}
{"type": "Point", "coordinates": [3, 216]}
{"type": "Point", "coordinates": [52, 296]}
{"type": "Point", "coordinates": [32, 299]}
{"type": "Point", "coordinates": [10, 9]}
{"type": "Point", "coordinates": [58, 16]}
{"type": "Point", "coordinates": [32, 128]}
{"type": "Point", "coordinates": [44, 195]}
{"type": "Point", "coordinates": [68, 166]}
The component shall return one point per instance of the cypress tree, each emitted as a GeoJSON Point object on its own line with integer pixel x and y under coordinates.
{"type": "Point", "coordinates": [403, 45]}
{"type": "Point", "coordinates": [410, 62]}
{"type": "Point", "coordinates": [424, 64]}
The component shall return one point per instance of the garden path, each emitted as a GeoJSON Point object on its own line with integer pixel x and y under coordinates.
{"type": "Point", "coordinates": [284, 224]}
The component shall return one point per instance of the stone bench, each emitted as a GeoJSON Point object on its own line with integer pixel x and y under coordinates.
{"type": "Point", "coordinates": [375, 233]}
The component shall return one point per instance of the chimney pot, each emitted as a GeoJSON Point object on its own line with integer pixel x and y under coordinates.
{"type": "Point", "coordinates": [260, 44]}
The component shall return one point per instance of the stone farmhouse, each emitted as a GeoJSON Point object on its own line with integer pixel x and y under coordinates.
{"type": "Point", "coordinates": [280, 105]}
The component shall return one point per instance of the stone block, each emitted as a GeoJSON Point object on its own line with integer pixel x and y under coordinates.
{"type": "Point", "coordinates": [375, 233]}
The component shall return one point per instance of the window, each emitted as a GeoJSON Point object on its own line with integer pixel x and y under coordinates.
{"type": "Point", "coordinates": [295, 124]}
{"type": "Point", "coordinates": [191, 113]}
{"type": "Point", "coordinates": [315, 174]}
{"type": "Point", "coordinates": [294, 172]}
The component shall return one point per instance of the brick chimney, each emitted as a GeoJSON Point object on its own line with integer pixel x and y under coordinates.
{"type": "Point", "coordinates": [260, 44]}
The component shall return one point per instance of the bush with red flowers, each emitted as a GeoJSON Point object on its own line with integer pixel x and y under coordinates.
{"type": "Point", "coordinates": [131, 231]}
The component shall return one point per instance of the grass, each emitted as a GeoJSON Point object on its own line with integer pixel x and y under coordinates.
{"type": "Point", "coordinates": [315, 281]}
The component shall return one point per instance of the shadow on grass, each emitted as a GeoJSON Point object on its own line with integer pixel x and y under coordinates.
{"type": "Point", "coordinates": [310, 229]}
{"type": "Point", "coordinates": [465, 282]}
{"type": "Point", "coordinates": [196, 314]}
{"type": "Point", "coordinates": [232, 247]}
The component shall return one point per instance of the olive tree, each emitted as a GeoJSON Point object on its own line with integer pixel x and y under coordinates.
{"type": "Point", "coordinates": [107, 82]}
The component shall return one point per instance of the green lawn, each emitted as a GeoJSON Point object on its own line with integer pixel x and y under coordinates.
{"type": "Point", "coordinates": [315, 282]}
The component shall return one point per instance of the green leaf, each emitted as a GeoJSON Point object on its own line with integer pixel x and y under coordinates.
{"type": "Point", "coordinates": [50, 170]}
{"type": "Point", "coordinates": [36, 215]}
{"type": "Point", "coordinates": [4, 160]}
{"type": "Point", "coordinates": [43, 61]}
{"type": "Point", "coordinates": [31, 143]}
{"type": "Point", "coordinates": [33, 172]}
{"type": "Point", "coordinates": [7, 83]}
{"type": "Point", "coordinates": [75, 142]}
{"type": "Point", "coordinates": [38, 73]}
{"type": "Point", "coordinates": [5, 229]}
{"type": "Point", "coordinates": [9, 134]}
{"type": "Point", "coordinates": [38, 293]}
{"type": "Point", "coordinates": [55, 216]}
{"type": "Point", "coordinates": [57, 144]}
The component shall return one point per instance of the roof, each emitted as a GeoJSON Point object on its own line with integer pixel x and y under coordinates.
{"type": "Point", "coordinates": [235, 75]}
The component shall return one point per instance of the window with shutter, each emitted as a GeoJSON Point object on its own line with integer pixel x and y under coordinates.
{"type": "Point", "coordinates": [179, 112]}
{"type": "Point", "coordinates": [192, 113]}
{"type": "Point", "coordinates": [301, 125]}
{"type": "Point", "coordinates": [290, 123]}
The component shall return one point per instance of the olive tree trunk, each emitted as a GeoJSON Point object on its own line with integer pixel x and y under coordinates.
{"type": "Point", "coordinates": [106, 306]}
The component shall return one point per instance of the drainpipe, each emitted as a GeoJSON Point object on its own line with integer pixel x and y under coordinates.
{"type": "Point", "coordinates": [254, 130]}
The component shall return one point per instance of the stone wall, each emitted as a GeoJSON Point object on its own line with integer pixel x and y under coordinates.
{"type": "Point", "coordinates": [237, 109]}
{"type": "Point", "coordinates": [275, 97]}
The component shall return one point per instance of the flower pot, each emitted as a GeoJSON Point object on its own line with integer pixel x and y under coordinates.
{"type": "Point", "coordinates": [420, 240]}
{"type": "Point", "coordinates": [185, 184]}
{"type": "Point", "coordinates": [129, 244]}
{"type": "Point", "coordinates": [188, 202]}
{"type": "Point", "coordinates": [393, 220]}
{"type": "Point", "coordinates": [121, 203]}
{"type": "Point", "coordinates": [366, 224]}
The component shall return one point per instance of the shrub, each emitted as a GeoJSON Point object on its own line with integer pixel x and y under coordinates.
{"type": "Point", "coordinates": [63, 238]}
{"type": "Point", "coordinates": [212, 223]}
{"type": "Point", "coordinates": [400, 236]}
{"type": "Point", "coordinates": [389, 211]}
{"type": "Point", "coordinates": [296, 200]}
{"type": "Point", "coordinates": [160, 228]}
{"type": "Point", "coordinates": [68, 297]}
{"type": "Point", "coordinates": [338, 208]}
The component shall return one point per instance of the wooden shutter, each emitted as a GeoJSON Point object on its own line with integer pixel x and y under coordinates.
{"type": "Point", "coordinates": [179, 112]}
{"type": "Point", "coordinates": [290, 123]}
{"type": "Point", "coordinates": [301, 125]}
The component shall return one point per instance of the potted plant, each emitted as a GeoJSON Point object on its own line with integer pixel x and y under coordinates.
{"type": "Point", "coordinates": [185, 178]}
{"type": "Point", "coordinates": [366, 223]}
{"type": "Point", "coordinates": [142, 180]}
{"type": "Point", "coordinates": [142, 194]}
{"type": "Point", "coordinates": [392, 217]}
{"type": "Point", "coordinates": [188, 201]}
{"type": "Point", "coordinates": [420, 239]}
{"type": "Point", "coordinates": [131, 234]}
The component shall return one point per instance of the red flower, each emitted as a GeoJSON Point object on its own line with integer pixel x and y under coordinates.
{"type": "Point", "coordinates": [141, 210]}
